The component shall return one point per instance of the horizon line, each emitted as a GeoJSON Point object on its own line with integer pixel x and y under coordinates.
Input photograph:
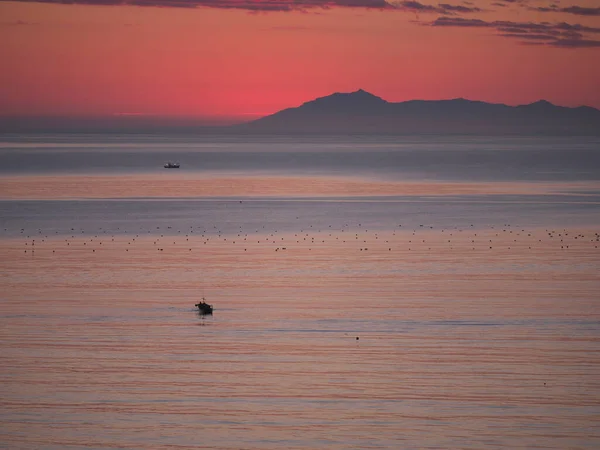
{"type": "Point", "coordinates": [239, 118]}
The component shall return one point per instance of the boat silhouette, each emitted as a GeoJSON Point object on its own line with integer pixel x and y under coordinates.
{"type": "Point", "coordinates": [204, 308]}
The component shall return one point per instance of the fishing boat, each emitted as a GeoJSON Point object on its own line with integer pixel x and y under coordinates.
{"type": "Point", "coordinates": [172, 165]}
{"type": "Point", "coordinates": [204, 308]}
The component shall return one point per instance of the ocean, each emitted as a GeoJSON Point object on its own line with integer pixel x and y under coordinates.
{"type": "Point", "coordinates": [369, 292]}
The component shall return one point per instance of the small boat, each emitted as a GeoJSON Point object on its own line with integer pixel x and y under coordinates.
{"type": "Point", "coordinates": [171, 165]}
{"type": "Point", "coordinates": [204, 308]}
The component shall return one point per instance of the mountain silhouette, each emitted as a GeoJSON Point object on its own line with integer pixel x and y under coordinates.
{"type": "Point", "coordinates": [358, 112]}
{"type": "Point", "coordinates": [363, 112]}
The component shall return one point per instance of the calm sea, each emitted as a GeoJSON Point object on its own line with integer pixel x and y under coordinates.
{"type": "Point", "coordinates": [392, 292]}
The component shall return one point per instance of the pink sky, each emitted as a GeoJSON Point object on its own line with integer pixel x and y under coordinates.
{"type": "Point", "coordinates": [241, 59]}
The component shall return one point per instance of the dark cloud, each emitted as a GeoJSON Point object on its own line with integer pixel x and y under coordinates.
{"type": "Point", "coordinates": [561, 35]}
{"type": "Point", "coordinates": [581, 11]}
{"type": "Point", "coordinates": [160, 3]}
{"type": "Point", "coordinates": [249, 5]}
{"type": "Point", "coordinates": [518, 26]}
{"type": "Point", "coordinates": [576, 27]}
{"type": "Point", "coordinates": [458, 8]}
{"type": "Point", "coordinates": [459, 22]}
{"type": "Point", "coordinates": [575, 43]}
{"type": "Point", "coordinates": [576, 10]}
{"type": "Point", "coordinates": [512, 30]}
{"type": "Point", "coordinates": [529, 36]}
{"type": "Point", "coordinates": [418, 7]}
{"type": "Point", "coordinates": [505, 3]}
{"type": "Point", "coordinates": [441, 8]}
{"type": "Point", "coordinates": [281, 5]}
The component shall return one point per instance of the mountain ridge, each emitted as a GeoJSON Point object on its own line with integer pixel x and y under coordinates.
{"type": "Point", "coordinates": [361, 111]}
{"type": "Point", "coordinates": [345, 113]}
{"type": "Point", "coordinates": [361, 93]}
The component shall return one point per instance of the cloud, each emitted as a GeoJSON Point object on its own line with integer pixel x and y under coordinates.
{"type": "Point", "coordinates": [441, 8]}
{"type": "Point", "coordinates": [505, 3]}
{"type": "Point", "coordinates": [281, 5]}
{"type": "Point", "coordinates": [575, 43]}
{"type": "Point", "coordinates": [459, 22]}
{"type": "Point", "coordinates": [560, 35]}
{"type": "Point", "coordinates": [248, 5]}
{"type": "Point", "coordinates": [458, 8]}
{"type": "Point", "coordinates": [530, 36]}
{"type": "Point", "coordinates": [418, 7]}
{"type": "Point", "coordinates": [576, 10]}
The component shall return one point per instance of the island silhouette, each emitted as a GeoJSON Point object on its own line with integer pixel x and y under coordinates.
{"type": "Point", "coordinates": [363, 112]}
{"type": "Point", "coordinates": [358, 112]}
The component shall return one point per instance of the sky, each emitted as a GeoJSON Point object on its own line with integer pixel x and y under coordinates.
{"type": "Point", "coordinates": [236, 60]}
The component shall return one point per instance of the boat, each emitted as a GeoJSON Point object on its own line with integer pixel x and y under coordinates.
{"type": "Point", "coordinates": [204, 308]}
{"type": "Point", "coordinates": [171, 165]}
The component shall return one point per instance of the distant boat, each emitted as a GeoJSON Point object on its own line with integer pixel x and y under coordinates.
{"type": "Point", "coordinates": [171, 165]}
{"type": "Point", "coordinates": [204, 308]}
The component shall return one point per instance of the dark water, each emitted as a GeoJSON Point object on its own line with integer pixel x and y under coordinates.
{"type": "Point", "coordinates": [453, 158]}
{"type": "Point", "coordinates": [228, 216]}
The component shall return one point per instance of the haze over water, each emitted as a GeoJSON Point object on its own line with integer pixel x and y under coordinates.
{"type": "Point", "coordinates": [395, 292]}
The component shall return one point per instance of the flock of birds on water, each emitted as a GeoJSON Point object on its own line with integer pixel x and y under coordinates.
{"type": "Point", "coordinates": [356, 238]}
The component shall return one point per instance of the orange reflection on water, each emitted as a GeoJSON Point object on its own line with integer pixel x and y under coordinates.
{"type": "Point", "coordinates": [215, 185]}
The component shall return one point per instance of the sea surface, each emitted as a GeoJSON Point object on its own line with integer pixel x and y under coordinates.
{"type": "Point", "coordinates": [369, 292]}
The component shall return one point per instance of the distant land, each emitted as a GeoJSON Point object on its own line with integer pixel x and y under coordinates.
{"type": "Point", "coordinates": [362, 112]}
{"type": "Point", "coordinates": [358, 112]}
